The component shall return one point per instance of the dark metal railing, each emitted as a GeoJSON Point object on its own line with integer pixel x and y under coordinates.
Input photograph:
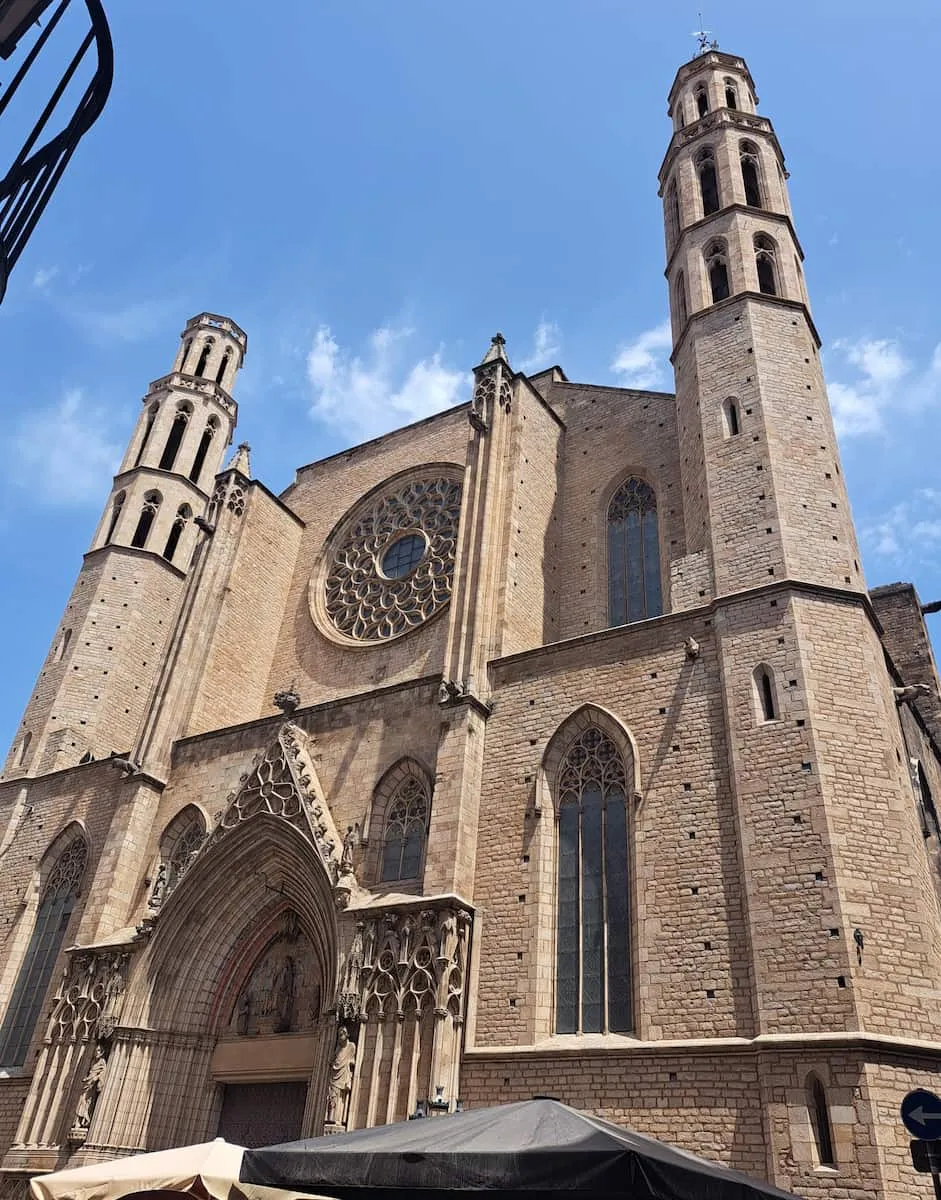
{"type": "Point", "coordinates": [27, 186]}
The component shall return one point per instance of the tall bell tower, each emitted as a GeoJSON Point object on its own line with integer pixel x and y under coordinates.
{"type": "Point", "coordinates": [764, 497]}
{"type": "Point", "coordinates": [818, 771]}
{"type": "Point", "coordinates": [96, 681]}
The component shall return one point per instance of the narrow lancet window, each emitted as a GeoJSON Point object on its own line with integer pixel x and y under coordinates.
{"type": "Point", "coordinates": [172, 448]}
{"type": "Point", "coordinates": [708, 180]}
{"type": "Point", "coordinates": [63, 645]}
{"type": "Point", "coordinates": [24, 749]}
{"type": "Point", "coordinates": [146, 520]}
{"type": "Point", "coordinates": [718, 269]}
{"type": "Point", "coordinates": [593, 974]}
{"type": "Point", "coordinates": [682, 310]}
{"type": "Point", "coordinates": [765, 263]}
{"type": "Point", "coordinates": [819, 1112]}
{"type": "Point", "coordinates": [750, 176]}
{"type": "Point", "coordinates": [765, 694]}
{"type": "Point", "coordinates": [634, 588]}
{"type": "Point", "coordinates": [731, 96]}
{"type": "Point", "coordinates": [203, 449]}
{"type": "Point", "coordinates": [176, 531]}
{"type": "Point", "coordinates": [406, 827]}
{"type": "Point", "coordinates": [148, 427]}
{"type": "Point", "coordinates": [116, 508]}
{"type": "Point", "coordinates": [186, 353]}
{"type": "Point", "coordinates": [58, 898]}
{"type": "Point", "coordinates": [702, 100]}
{"type": "Point", "coordinates": [223, 366]}
{"type": "Point", "coordinates": [730, 418]}
{"type": "Point", "coordinates": [204, 357]}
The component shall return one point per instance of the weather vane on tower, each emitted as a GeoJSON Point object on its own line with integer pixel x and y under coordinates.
{"type": "Point", "coordinates": [702, 36]}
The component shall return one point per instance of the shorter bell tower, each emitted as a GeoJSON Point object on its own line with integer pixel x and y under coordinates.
{"type": "Point", "coordinates": [93, 688]}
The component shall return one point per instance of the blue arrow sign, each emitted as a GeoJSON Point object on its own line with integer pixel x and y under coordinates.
{"type": "Point", "coordinates": [921, 1115]}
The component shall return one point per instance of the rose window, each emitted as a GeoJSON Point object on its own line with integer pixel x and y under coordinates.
{"type": "Point", "coordinates": [392, 565]}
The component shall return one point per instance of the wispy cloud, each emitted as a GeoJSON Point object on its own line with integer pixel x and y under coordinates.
{"type": "Point", "coordinates": [66, 452]}
{"type": "Point", "coordinates": [547, 342]}
{"type": "Point", "coordinates": [43, 276]}
{"type": "Point", "coordinates": [885, 377]}
{"type": "Point", "coordinates": [909, 532]}
{"type": "Point", "coordinates": [644, 362]}
{"type": "Point", "coordinates": [378, 390]}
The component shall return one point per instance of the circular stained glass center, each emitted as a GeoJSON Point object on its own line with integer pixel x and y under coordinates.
{"type": "Point", "coordinates": [403, 556]}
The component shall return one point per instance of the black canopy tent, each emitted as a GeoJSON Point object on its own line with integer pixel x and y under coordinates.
{"type": "Point", "coordinates": [511, 1150]}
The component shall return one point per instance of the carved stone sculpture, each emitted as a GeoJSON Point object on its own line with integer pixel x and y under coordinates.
{"type": "Point", "coordinates": [284, 980]}
{"type": "Point", "coordinates": [88, 1097]}
{"type": "Point", "coordinates": [341, 1079]}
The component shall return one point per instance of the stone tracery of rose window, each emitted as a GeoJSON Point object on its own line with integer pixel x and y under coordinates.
{"type": "Point", "coordinates": [393, 566]}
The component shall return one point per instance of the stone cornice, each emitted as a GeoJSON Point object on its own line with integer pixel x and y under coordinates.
{"type": "Point", "coordinates": [178, 382]}
{"type": "Point", "coordinates": [681, 618]}
{"type": "Point", "coordinates": [711, 58]}
{"type": "Point", "coordinates": [123, 477]}
{"type": "Point", "coordinates": [135, 552]}
{"type": "Point", "coordinates": [745, 210]}
{"type": "Point", "coordinates": [582, 1046]}
{"type": "Point", "coordinates": [730, 301]}
{"type": "Point", "coordinates": [718, 119]}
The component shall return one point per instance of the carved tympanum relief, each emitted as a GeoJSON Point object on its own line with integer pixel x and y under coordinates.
{"type": "Point", "coordinates": [390, 566]}
{"type": "Point", "coordinates": [284, 993]}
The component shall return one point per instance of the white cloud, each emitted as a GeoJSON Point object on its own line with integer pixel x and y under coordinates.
{"type": "Point", "coordinates": [43, 276]}
{"type": "Point", "coordinates": [885, 379]}
{"type": "Point", "coordinates": [644, 362]}
{"type": "Point", "coordinates": [909, 532]}
{"type": "Point", "coordinates": [370, 394]}
{"type": "Point", "coordinates": [64, 453]}
{"type": "Point", "coordinates": [547, 342]}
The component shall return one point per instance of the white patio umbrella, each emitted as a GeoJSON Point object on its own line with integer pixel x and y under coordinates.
{"type": "Point", "coordinates": [209, 1170]}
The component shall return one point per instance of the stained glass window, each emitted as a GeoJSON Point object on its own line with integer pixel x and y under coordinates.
{"type": "Point", "coordinates": [403, 842]}
{"type": "Point", "coordinates": [403, 556]}
{"type": "Point", "coordinates": [593, 974]}
{"type": "Point", "coordinates": [56, 905]}
{"type": "Point", "coordinates": [634, 591]}
{"type": "Point", "coordinates": [182, 838]}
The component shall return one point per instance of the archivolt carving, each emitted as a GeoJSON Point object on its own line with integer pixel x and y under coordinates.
{"type": "Point", "coordinates": [360, 599]}
{"type": "Point", "coordinates": [283, 783]}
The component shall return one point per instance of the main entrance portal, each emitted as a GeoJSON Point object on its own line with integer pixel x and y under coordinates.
{"type": "Point", "coordinates": [260, 1114]}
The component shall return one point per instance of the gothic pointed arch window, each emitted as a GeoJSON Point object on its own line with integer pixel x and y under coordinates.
{"type": "Point", "coordinates": [751, 177]}
{"type": "Point", "coordinates": [116, 507]}
{"type": "Point", "coordinates": [634, 588]}
{"type": "Point", "coordinates": [212, 428]}
{"type": "Point", "coordinates": [181, 840]}
{"type": "Point", "coordinates": [204, 357]}
{"type": "Point", "coordinates": [184, 513]}
{"type": "Point", "coordinates": [673, 215]}
{"type": "Point", "coordinates": [152, 411]}
{"type": "Point", "coordinates": [702, 100]}
{"type": "Point", "coordinates": [24, 749]}
{"type": "Point", "coordinates": [405, 828]}
{"type": "Point", "coordinates": [766, 696]}
{"type": "Point", "coordinates": [58, 897]}
{"type": "Point", "coordinates": [679, 295]}
{"type": "Point", "coordinates": [223, 366]}
{"type": "Point", "coordinates": [766, 264]}
{"type": "Point", "coordinates": [145, 521]}
{"type": "Point", "coordinates": [731, 94]}
{"type": "Point", "coordinates": [708, 180]}
{"type": "Point", "coordinates": [593, 952]}
{"type": "Point", "coordinates": [175, 437]}
{"type": "Point", "coordinates": [186, 353]}
{"type": "Point", "coordinates": [717, 267]}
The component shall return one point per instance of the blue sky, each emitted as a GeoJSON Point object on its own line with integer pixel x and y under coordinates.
{"type": "Point", "coordinates": [372, 188]}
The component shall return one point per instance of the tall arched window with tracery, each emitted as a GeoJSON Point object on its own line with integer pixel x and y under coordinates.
{"type": "Point", "coordinates": [405, 831]}
{"type": "Point", "coordinates": [59, 894]}
{"type": "Point", "coordinates": [181, 839]}
{"type": "Point", "coordinates": [634, 590]}
{"type": "Point", "coordinates": [593, 973]}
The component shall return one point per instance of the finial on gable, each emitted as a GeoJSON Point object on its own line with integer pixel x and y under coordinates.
{"type": "Point", "coordinates": [497, 351]}
{"type": "Point", "coordinates": [240, 460]}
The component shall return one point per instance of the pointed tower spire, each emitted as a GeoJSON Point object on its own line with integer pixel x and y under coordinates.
{"type": "Point", "coordinates": [240, 461]}
{"type": "Point", "coordinates": [497, 351]}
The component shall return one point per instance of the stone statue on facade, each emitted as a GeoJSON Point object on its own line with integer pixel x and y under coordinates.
{"type": "Point", "coordinates": [283, 989]}
{"type": "Point", "coordinates": [159, 891]}
{"type": "Point", "coordinates": [88, 1097]}
{"type": "Point", "coordinates": [341, 1079]}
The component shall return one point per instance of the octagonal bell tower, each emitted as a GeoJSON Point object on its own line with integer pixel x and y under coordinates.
{"type": "Point", "coordinates": [93, 688]}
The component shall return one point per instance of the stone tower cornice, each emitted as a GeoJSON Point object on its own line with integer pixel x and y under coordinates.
{"type": "Point", "coordinates": [732, 301]}
{"type": "Point", "coordinates": [179, 382]}
{"type": "Point", "coordinates": [745, 209]}
{"type": "Point", "coordinates": [223, 324]}
{"type": "Point", "coordinates": [712, 122]}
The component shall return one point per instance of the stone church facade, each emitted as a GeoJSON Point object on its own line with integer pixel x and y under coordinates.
{"type": "Point", "coordinates": [551, 745]}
